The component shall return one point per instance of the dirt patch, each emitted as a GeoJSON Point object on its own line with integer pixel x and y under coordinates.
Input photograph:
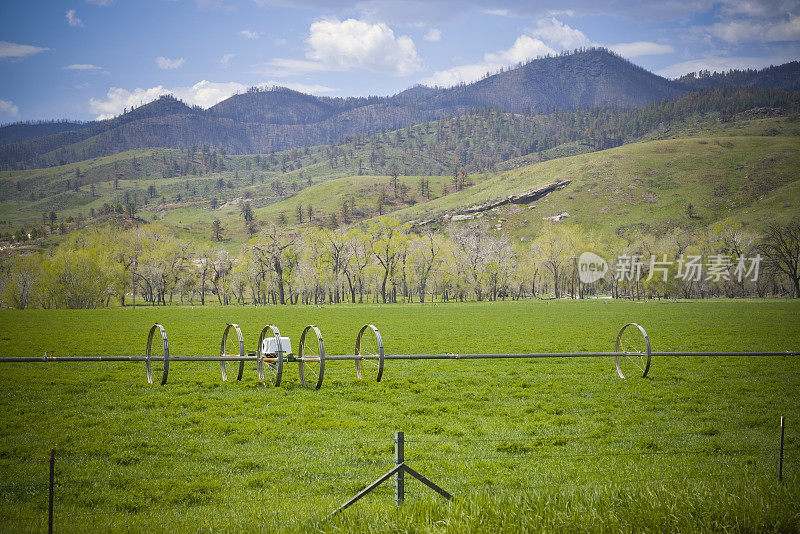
{"type": "Point", "coordinates": [649, 197]}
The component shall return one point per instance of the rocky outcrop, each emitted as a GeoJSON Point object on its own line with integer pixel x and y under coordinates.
{"type": "Point", "coordinates": [523, 198]}
{"type": "Point", "coordinates": [477, 210]}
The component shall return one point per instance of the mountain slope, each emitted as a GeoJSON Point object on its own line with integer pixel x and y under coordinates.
{"type": "Point", "coordinates": [261, 121]}
{"type": "Point", "coordinates": [586, 79]}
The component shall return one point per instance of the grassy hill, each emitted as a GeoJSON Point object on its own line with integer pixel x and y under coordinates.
{"type": "Point", "coordinates": [744, 169]}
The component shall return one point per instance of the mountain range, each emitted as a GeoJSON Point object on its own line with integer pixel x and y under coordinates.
{"type": "Point", "coordinates": [264, 121]}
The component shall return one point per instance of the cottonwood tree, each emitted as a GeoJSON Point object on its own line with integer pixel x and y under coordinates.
{"type": "Point", "coordinates": [424, 258]}
{"type": "Point", "coordinates": [552, 249]}
{"type": "Point", "coordinates": [82, 277]}
{"type": "Point", "coordinates": [222, 266]}
{"type": "Point", "coordinates": [275, 255]}
{"type": "Point", "coordinates": [21, 281]}
{"type": "Point", "coordinates": [781, 245]}
{"type": "Point", "coordinates": [358, 250]}
{"type": "Point", "coordinates": [389, 240]}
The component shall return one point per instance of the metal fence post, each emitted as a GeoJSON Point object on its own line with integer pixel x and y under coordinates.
{"type": "Point", "coordinates": [399, 477]}
{"type": "Point", "coordinates": [52, 481]}
{"type": "Point", "coordinates": [780, 457]}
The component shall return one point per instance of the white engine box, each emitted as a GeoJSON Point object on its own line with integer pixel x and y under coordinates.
{"type": "Point", "coordinates": [269, 346]}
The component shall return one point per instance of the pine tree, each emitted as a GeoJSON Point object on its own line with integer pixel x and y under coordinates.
{"type": "Point", "coordinates": [216, 231]}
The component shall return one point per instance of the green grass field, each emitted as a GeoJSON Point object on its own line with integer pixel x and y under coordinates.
{"type": "Point", "coordinates": [540, 445]}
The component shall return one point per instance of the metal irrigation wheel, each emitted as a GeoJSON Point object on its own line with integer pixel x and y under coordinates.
{"type": "Point", "coordinates": [166, 354]}
{"type": "Point", "coordinates": [223, 350]}
{"type": "Point", "coordinates": [632, 351]}
{"type": "Point", "coordinates": [369, 346]}
{"type": "Point", "coordinates": [272, 363]}
{"type": "Point", "coordinates": [311, 357]}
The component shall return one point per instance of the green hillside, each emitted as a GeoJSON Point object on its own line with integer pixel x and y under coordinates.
{"type": "Point", "coordinates": [745, 169]}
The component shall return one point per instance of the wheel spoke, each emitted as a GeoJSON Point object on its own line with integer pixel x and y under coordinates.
{"type": "Point", "coordinates": [633, 360]}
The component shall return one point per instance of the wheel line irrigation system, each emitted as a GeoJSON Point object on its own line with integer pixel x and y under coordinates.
{"type": "Point", "coordinates": [632, 354]}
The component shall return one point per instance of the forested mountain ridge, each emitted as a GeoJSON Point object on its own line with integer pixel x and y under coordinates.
{"type": "Point", "coordinates": [263, 121]}
{"type": "Point", "coordinates": [22, 131]}
{"type": "Point", "coordinates": [785, 77]}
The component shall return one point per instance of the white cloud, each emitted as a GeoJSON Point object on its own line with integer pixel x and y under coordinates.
{"type": "Point", "coordinates": [640, 48]}
{"type": "Point", "coordinates": [496, 12]}
{"type": "Point", "coordinates": [247, 34]}
{"type": "Point", "coordinates": [523, 49]}
{"type": "Point", "coordinates": [204, 94]}
{"type": "Point", "coordinates": [355, 44]}
{"type": "Point", "coordinates": [209, 5]}
{"type": "Point", "coordinates": [167, 64]}
{"type": "Point", "coordinates": [759, 8]}
{"type": "Point", "coordinates": [82, 66]}
{"type": "Point", "coordinates": [433, 35]}
{"type": "Point", "coordinates": [718, 64]}
{"type": "Point", "coordinates": [100, 2]}
{"type": "Point", "coordinates": [764, 31]}
{"type": "Point", "coordinates": [226, 59]}
{"type": "Point", "coordinates": [18, 51]}
{"type": "Point", "coordinates": [560, 12]}
{"type": "Point", "coordinates": [8, 107]}
{"type": "Point", "coordinates": [285, 67]}
{"type": "Point", "coordinates": [280, 41]}
{"type": "Point", "coordinates": [554, 31]}
{"type": "Point", "coordinates": [73, 20]}
{"type": "Point", "coordinates": [303, 88]}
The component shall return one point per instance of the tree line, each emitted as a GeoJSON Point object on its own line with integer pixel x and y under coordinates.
{"type": "Point", "coordinates": [385, 261]}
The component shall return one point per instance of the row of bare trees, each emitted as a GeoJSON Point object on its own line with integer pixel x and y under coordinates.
{"type": "Point", "coordinates": [385, 261]}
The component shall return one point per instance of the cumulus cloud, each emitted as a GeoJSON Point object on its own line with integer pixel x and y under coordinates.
{"type": "Point", "coordinates": [640, 48]}
{"type": "Point", "coordinates": [554, 31]}
{"type": "Point", "coordinates": [433, 35]}
{"type": "Point", "coordinates": [524, 48]}
{"type": "Point", "coordinates": [204, 94]}
{"type": "Point", "coordinates": [353, 44]}
{"type": "Point", "coordinates": [226, 59]}
{"type": "Point", "coordinates": [8, 108]}
{"type": "Point", "coordinates": [73, 20]}
{"type": "Point", "coordinates": [18, 51]}
{"type": "Point", "coordinates": [247, 34]}
{"type": "Point", "coordinates": [82, 66]}
{"type": "Point", "coordinates": [168, 64]}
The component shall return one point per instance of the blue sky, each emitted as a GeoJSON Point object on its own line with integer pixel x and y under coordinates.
{"type": "Point", "coordinates": [87, 59]}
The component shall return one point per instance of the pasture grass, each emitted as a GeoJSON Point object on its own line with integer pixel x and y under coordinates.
{"type": "Point", "coordinates": [523, 445]}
